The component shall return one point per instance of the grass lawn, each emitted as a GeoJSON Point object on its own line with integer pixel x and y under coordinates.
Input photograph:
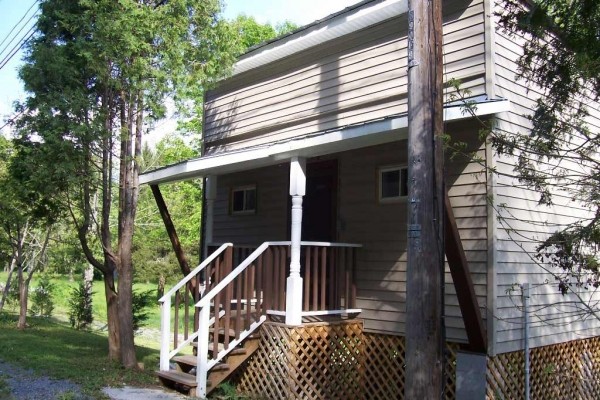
{"type": "Point", "coordinates": [52, 348]}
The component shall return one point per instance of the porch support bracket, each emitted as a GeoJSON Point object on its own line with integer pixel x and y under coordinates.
{"type": "Point", "coordinates": [459, 268]}
{"type": "Point", "coordinates": [293, 302]}
{"type": "Point", "coordinates": [175, 243]}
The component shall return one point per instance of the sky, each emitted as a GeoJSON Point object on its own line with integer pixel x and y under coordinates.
{"type": "Point", "coordinates": [300, 12]}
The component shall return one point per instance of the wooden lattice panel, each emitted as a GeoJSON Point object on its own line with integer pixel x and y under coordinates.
{"type": "Point", "coordinates": [384, 367]}
{"type": "Point", "coordinates": [330, 361]}
{"type": "Point", "coordinates": [568, 370]}
{"type": "Point", "coordinates": [314, 361]}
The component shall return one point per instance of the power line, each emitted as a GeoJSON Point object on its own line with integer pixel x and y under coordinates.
{"type": "Point", "coordinates": [17, 24]}
{"type": "Point", "coordinates": [21, 42]}
{"type": "Point", "coordinates": [11, 120]}
{"type": "Point", "coordinates": [17, 47]}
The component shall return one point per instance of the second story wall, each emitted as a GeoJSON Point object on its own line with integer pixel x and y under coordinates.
{"type": "Point", "coordinates": [356, 78]}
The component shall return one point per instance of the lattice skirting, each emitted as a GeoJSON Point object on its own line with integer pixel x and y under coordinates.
{"type": "Point", "coordinates": [329, 361]}
{"type": "Point", "coordinates": [568, 370]}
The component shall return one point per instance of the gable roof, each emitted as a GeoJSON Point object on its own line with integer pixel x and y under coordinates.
{"type": "Point", "coordinates": [350, 19]}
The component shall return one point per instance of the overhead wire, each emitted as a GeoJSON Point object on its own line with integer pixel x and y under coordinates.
{"type": "Point", "coordinates": [21, 42]}
{"type": "Point", "coordinates": [17, 24]}
{"type": "Point", "coordinates": [17, 47]}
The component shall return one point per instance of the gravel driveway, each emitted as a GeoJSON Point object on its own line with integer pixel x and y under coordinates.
{"type": "Point", "coordinates": [24, 384]}
{"type": "Point", "coordinates": [17, 383]}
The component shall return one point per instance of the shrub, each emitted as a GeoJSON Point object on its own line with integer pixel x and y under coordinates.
{"type": "Point", "coordinates": [41, 299]}
{"type": "Point", "coordinates": [139, 304]}
{"type": "Point", "coordinates": [80, 306]}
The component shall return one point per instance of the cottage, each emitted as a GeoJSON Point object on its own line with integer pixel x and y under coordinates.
{"type": "Point", "coordinates": [302, 287]}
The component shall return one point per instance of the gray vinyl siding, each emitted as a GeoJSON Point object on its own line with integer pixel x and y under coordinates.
{"type": "Point", "coordinates": [381, 229]}
{"type": "Point", "coordinates": [524, 223]}
{"type": "Point", "coordinates": [270, 219]}
{"type": "Point", "coordinates": [356, 78]}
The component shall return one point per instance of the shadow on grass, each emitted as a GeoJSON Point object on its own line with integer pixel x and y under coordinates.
{"type": "Point", "coordinates": [54, 349]}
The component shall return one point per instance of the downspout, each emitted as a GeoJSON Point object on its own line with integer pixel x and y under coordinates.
{"type": "Point", "coordinates": [525, 293]}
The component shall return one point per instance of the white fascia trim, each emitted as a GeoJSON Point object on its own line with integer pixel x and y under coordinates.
{"type": "Point", "coordinates": [352, 137]}
{"type": "Point", "coordinates": [328, 30]}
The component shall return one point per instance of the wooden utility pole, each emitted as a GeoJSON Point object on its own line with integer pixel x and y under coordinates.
{"type": "Point", "coordinates": [425, 271]}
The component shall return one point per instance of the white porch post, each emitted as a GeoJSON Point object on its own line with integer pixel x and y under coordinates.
{"type": "Point", "coordinates": [293, 302]}
{"type": "Point", "coordinates": [211, 195]}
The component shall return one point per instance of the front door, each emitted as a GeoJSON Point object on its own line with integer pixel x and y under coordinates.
{"type": "Point", "coordinates": [320, 201]}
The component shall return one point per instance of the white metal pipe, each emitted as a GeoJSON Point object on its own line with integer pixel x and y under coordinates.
{"type": "Point", "coordinates": [525, 292]}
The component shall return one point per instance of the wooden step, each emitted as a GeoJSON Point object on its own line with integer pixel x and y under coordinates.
{"type": "Point", "coordinates": [191, 361]}
{"type": "Point", "coordinates": [177, 377]}
{"type": "Point", "coordinates": [221, 331]}
{"type": "Point", "coordinates": [235, 351]}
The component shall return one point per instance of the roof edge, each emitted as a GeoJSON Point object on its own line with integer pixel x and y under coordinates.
{"type": "Point", "coordinates": [349, 20]}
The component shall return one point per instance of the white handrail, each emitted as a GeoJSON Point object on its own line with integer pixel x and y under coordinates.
{"type": "Point", "coordinates": [329, 244]}
{"type": "Point", "coordinates": [205, 300]}
{"type": "Point", "coordinates": [195, 272]}
{"type": "Point", "coordinates": [165, 312]}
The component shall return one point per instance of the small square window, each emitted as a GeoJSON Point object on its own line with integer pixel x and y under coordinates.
{"type": "Point", "coordinates": [243, 200]}
{"type": "Point", "coordinates": [393, 183]}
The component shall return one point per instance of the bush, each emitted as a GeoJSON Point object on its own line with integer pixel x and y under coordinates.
{"type": "Point", "coordinates": [41, 299]}
{"type": "Point", "coordinates": [80, 307]}
{"type": "Point", "coordinates": [139, 304]}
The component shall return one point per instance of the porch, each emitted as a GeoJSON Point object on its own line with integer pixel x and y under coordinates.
{"type": "Point", "coordinates": [219, 307]}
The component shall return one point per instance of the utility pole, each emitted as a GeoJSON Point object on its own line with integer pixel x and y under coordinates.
{"type": "Point", "coordinates": [425, 271]}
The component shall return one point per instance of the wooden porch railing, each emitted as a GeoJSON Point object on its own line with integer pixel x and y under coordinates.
{"type": "Point", "coordinates": [328, 271]}
{"type": "Point", "coordinates": [186, 293]}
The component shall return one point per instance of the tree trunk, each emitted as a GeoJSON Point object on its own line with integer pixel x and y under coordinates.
{"type": "Point", "coordinates": [23, 291]}
{"type": "Point", "coordinates": [128, 358]}
{"type": "Point", "coordinates": [13, 266]}
{"type": "Point", "coordinates": [112, 317]}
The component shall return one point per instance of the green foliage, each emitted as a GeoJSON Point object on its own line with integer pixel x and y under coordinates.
{"type": "Point", "coordinates": [41, 299]}
{"type": "Point", "coordinates": [562, 59]}
{"type": "Point", "coordinates": [251, 33]}
{"type": "Point", "coordinates": [141, 301]}
{"type": "Point", "coordinates": [227, 391]}
{"type": "Point", "coordinates": [80, 307]}
{"type": "Point", "coordinates": [152, 252]}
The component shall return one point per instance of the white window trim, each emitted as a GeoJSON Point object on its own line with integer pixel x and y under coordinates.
{"type": "Point", "coordinates": [380, 171]}
{"type": "Point", "coordinates": [243, 188]}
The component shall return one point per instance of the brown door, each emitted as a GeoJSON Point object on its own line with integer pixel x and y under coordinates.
{"type": "Point", "coordinates": [320, 201]}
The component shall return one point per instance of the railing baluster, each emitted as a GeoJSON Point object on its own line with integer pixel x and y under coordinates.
{"type": "Point", "coordinates": [315, 286]}
{"type": "Point", "coordinates": [227, 303]}
{"type": "Point", "coordinates": [323, 277]}
{"type": "Point", "coordinates": [307, 280]}
{"type": "Point", "coordinates": [248, 295]}
{"type": "Point", "coordinates": [216, 308]}
{"type": "Point", "coordinates": [186, 311]}
{"type": "Point", "coordinates": [331, 289]}
{"type": "Point", "coordinates": [196, 298]}
{"type": "Point", "coordinates": [352, 303]}
{"type": "Point", "coordinates": [260, 306]}
{"type": "Point", "coordinates": [276, 271]}
{"type": "Point", "coordinates": [268, 277]}
{"type": "Point", "coordinates": [238, 314]}
{"type": "Point", "coordinates": [283, 267]}
{"type": "Point", "coordinates": [176, 322]}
